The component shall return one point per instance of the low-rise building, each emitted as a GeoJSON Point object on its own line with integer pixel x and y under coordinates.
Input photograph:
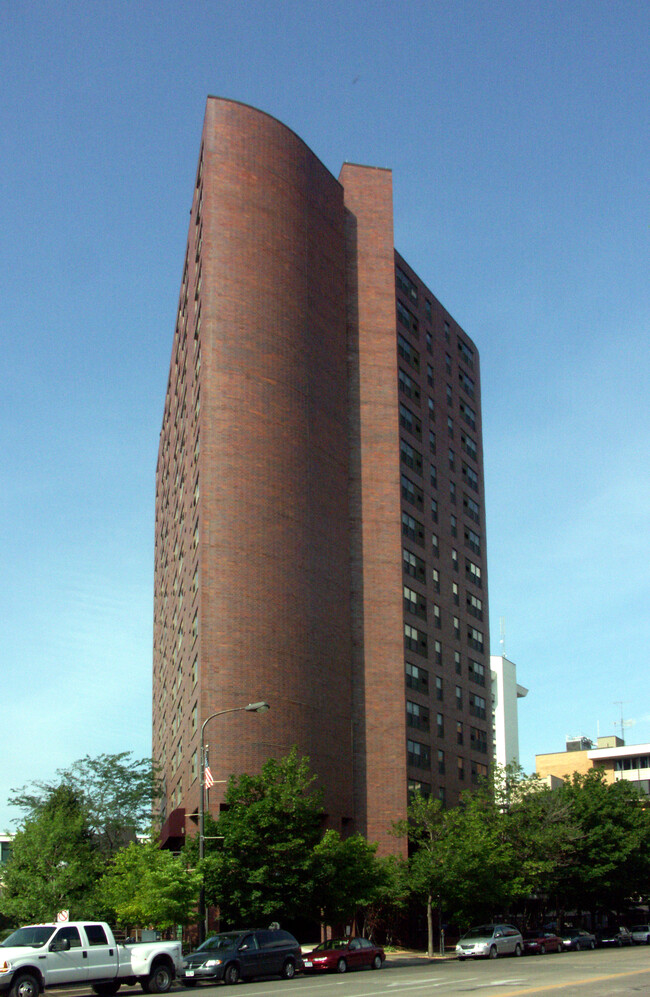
{"type": "Point", "coordinates": [617, 759]}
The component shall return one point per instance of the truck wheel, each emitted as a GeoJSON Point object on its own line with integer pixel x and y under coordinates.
{"type": "Point", "coordinates": [25, 985]}
{"type": "Point", "coordinates": [106, 989]}
{"type": "Point", "coordinates": [159, 980]}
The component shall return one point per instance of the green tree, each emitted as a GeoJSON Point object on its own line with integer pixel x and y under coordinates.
{"type": "Point", "coordinates": [54, 863]}
{"type": "Point", "coordinates": [347, 875]}
{"type": "Point", "coordinates": [264, 868]}
{"type": "Point", "coordinates": [147, 885]}
{"type": "Point", "coordinates": [610, 861]}
{"type": "Point", "coordinates": [426, 829]}
{"type": "Point", "coordinates": [116, 791]}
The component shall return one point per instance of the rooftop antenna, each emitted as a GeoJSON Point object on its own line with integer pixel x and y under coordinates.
{"type": "Point", "coordinates": [620, 703]}
{"type": "Point", "coordinates": [502, 637]}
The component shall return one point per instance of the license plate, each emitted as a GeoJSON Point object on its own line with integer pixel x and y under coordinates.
{"type": "Point", "coordinates": [189, 972]}
{"type": "Point", "coordinates": [308, 964]}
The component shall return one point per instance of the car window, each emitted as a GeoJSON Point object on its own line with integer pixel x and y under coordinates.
{"type": "Point", "coordinates": [95, 934]}
{"type": "Point", "coordinates": [248, 942]}
{"type": "Point", "coordinates": [365, 944]}
{"type": "Point", "coordinates": [72, 934]}
{"type": "Point", "coordinates": [265, 939]}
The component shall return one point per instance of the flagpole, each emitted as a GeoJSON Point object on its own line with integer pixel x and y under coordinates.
{"type": "Point", "coordinates": [251, 708]}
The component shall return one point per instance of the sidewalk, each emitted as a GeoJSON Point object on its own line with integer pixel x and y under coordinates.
{"type": "Point", "coordinates": [409, 957]}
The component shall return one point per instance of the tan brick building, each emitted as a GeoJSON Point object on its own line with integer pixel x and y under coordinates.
{"type": "Point", "coordinates": [320, 539]}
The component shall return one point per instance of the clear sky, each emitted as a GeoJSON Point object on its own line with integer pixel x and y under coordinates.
{"type": "Point", "coordinates": [518, 136]}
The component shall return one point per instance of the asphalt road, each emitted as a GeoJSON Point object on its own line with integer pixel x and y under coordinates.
{"type": "Point", "coordinates": [603, 973]}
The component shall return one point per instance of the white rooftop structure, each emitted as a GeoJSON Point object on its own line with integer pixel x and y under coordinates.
{"type": "Point", "coordinates": [505, 693]}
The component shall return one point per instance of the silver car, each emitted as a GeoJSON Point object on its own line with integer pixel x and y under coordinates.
{"type": "Point", "coordinates": [489, 941]}
{"type": "Point", "coordinates": [640, 934]}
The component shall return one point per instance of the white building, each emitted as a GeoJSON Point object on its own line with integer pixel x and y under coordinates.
{"type": "Point", "coordinates": [505, 693]}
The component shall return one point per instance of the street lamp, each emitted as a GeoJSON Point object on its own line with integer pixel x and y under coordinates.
{"type": "Point", "coordinates": [251, 708]}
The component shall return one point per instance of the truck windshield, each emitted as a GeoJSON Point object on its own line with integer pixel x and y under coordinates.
{"type": "Point", "coordinates": [31, 937]}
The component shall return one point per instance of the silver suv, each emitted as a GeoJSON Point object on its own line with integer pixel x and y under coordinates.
{"type": "Point", "coordinates": [640, 934]}
{"type": "Point", "coordinates": [490, 941]}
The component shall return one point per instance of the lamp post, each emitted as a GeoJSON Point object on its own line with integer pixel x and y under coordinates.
{"type": "Point", "coordinates": [251, 708]}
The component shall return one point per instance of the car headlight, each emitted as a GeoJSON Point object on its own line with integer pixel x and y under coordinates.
{"type": "Point", "coordinates": [5, 967]}
{"type": "Point", "coordinates": [212, 962]}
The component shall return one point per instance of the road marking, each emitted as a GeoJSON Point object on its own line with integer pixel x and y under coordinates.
{"type": "Point", "coordinates": [572, 983]}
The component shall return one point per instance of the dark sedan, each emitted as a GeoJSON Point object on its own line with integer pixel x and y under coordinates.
{"type": "Point", "coordinates": [340, 954]}
{"type": "Point", "coordinates": [578, 938]}
{"type": "Point", "coordinates": [539, 942]}
{"type": "Point", "coordinates": [614, 936]}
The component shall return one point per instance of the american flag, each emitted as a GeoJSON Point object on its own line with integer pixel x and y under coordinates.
{"type": "Point", "coordinates": [207, 777]}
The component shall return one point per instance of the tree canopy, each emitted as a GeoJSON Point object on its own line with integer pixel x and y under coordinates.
{"type": "Point", "coordinates": [54, 863]}
{"type": "Point", "coordinates": [116, 792]}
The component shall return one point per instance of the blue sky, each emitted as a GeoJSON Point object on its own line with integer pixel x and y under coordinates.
{"type": "Point", "coordinates": [518, 136]}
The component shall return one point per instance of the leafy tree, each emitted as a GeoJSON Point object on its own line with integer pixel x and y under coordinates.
{"type": "Point", "coordinates": [347, 875]}
{"type": "Point", "coordinates": [116, 791]}
{"type": "Point", "coordinates": [611, 853]}
{"type": "Point", "coordinates": [264, 868]}
{"type": "Point", "coordinates": [54, 863]}
{"type": "Point", "coordinates": [426, 830]}
{"type": "Point", "coordinates": [385, 910]}
{"type": "Point", "coordinates": [145, 884]}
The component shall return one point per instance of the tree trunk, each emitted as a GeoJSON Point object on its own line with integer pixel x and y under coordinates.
{"type": "Point", "coordinates": [430, 926]}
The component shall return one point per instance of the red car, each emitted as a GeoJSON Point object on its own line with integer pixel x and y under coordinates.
{"type": "Point", "coordinates": [340, 954]}
{"type": "Point", "coordinates": [539, 942]}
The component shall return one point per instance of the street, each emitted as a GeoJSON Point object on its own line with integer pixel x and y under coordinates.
{"type": "Point", "coordinates": [603, 973]}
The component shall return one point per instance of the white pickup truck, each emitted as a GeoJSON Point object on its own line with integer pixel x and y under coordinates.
{"type": "Point", "coordinates": [83, 953]}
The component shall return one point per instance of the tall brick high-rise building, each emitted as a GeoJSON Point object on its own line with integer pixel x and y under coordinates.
{"type": "Point", "coordinates": [320, 537]}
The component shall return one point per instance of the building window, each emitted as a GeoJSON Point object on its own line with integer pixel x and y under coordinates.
{"type": "Point", "coordinates": [432, 410]}
{"type": "Point", "coordinates": [452, 459]}
{"type": "Point", "coordinates": [418, 755]}
{"type": "Point", "coordinates": [472, 540]}
{"type": "Point", "coordinates": [454, 594]}
{"type": "Point", "coordinates": [450, 426]}
{"type": "Point", "coordinates": [453, 525]}
{"type": "Point", "coordinates": [468, 414]}
{"type": "Point", "coordinates": [433, 476]}
{"type": "Point", "coordinates": [407, 386]}
{"type": "Point", "coordinates": [469, 446]}
{"type": "Point", "coordinates": [415, 640]}
{"type": "Point", "coordinates": [471, 509]}
{"type": "Point", "coordinates": [415, 603]}
{"type": "Point", "coordinates": [195, 625]}
{"type": "Point", "coordinates": [439, 689]}
{"type": "Point", "coordinates": [407, 318]}
{"type": "Point", "coordinates": [466, 383]}
{"type": "Point", "coordinates": [476, 672]}
{"type": "Point", "coordinates": [460, 736]}
{"type": "Point", "coordinates": [434, 510]}
{"type": "Point", "coordinates": [454, 558]}
{"type": "Point", "coordinates": [417, 716]}
{"type": "Point", "coordinates": [413, 565]}
{"type": "Point", "coordinates": [452, 492]}
{"type": "Point", "coordinates": [412, 529]}
{"type": "Point", "coordinates": [456, 628]}
{"type": "Point", "coordinates": [434, 544]}
{"type": "Point", "coordinates": [475, 638]}
{"type": "Point", "coordinates": [477, 706]}
{"type": "Point", "coordinates": [473, 573]}
{"type": "Point", "coordinates": [469, 476]}
{"type": "Point", "coordinates": [441, 762]}
{"type": "Point", "coordinates": [450, 395]}
{"type": "Point", "coordinates": [417, 678]}
{"type": "Point", "coordinates": [440, 725]}
{"type": "Point", "coordinates": [435, 575]}
{"type": "Point", "coordinates": [430, 375]}
{"type": "Point", "coordinates": [408, 352]}
{"type": "Point", "coordinates": [411, 492]}
{"type": "Point", "coordinates": [467, 354]}
{"type": "Point", "coordinates": [429, 340]}
{"type": "Point", "coordinates": [409, 421]}
{"type": "Point", "coordinates": [479, 771]}
{"type": "Point", "coordinates": [432, 441]}
{"type": "Point", "coordinates": [410, 456]}
{"type": "Point", "coordinates": [406, 285]}
{"type": "Point", "coordinates": [417, 787]}
{"type": "Point", "coordinates": [461, 769]}
{"type": "Point", "coordinates": [457, 662]}
{"type": "Point", "coordinates": [459, 698]}
{"type": "Point", "coordinates": [438, 652]}
{"type": "Point", "coordinates": [478, 740]}
{"type": "Point", "coordinates": [436, 617]}
{"type": "Point", "coordinates": [474, 606]}
{"type": "Point", "coordinates": [195, 765]}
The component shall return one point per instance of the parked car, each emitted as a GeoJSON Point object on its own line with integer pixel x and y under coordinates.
{"type": "Point", "coordinates": [577, 939]}
{"type": "Point", "coordinates": [613, 936]}
{"type": "Point", "coordinates": [640, 934]}
{"type": "Point", "coordinates": [490, 941]}
{"type": "Point", "coordinates": [235, 955]}
{"type": "Point", "coordinates": [341, 954]}
{"type": "Point", "coordinates": [539, 942]}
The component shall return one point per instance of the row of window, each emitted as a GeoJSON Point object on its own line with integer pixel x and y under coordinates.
{"type": "Point", "coordinates": [417, 678]}
{"type": "Point", "coordinates": [418, 755]}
